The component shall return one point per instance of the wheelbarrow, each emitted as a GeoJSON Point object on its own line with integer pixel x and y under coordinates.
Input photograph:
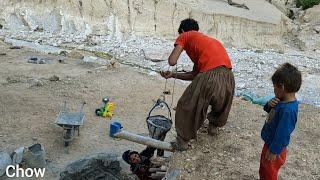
{"type": "Point", "coordinates": [70, 122]}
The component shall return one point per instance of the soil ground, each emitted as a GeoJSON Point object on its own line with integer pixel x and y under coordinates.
{"type": "Point", "coordinates": [30, 101]}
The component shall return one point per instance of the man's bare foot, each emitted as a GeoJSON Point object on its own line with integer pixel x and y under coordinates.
{"type": "Point", "coordinates": [212, 130]}
{"type": "Point", "coordinates": [179, 144]}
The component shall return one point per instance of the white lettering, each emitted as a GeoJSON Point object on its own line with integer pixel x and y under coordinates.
{"type": "Point", "coordinates": [19, 169]}
{"type": "Point", "coordinates": [20, 172]}
{"type": "Point", "coordinates": [7, 171]}
{"type": "Point", "coordinates": [39, 172]}
{"type": "Point", "coordinates": [29, 170]}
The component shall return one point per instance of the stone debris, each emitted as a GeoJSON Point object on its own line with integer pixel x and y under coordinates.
{"type": "Point", "coordinates": [17, 155]}
{"type": "Point", "coordinates": [15, 79]}
{"type": "Point", "coordinates": [15, 47]}
{"type": "Point", "coordinates": [93, 167]}
{"type": "Point", "coordinates": [36, 83]}
{"type": "Point", "coordinates": [35, 156]}
{"type": "Point", "coordinates": [36, 60]}
{"type": "Point", "coordinates": [5, 161]}
{"type": "Point", "coordinates": [95, 61]}
{"type": "Point", "coordinates": [54, 78]}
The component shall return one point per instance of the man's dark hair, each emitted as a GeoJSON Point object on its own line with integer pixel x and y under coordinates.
{"type": "Point", "coordinates": [188, 25]}
{"type": "Point", "coordinates": [288, 76]}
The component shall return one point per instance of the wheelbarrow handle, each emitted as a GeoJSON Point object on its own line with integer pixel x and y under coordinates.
{"type": "Point", "coordinates": [82, 107]}
{"type": "Point", "coordinates": [158, 103]}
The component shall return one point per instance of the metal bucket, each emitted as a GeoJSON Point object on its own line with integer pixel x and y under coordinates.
{"type": "Point", "coordinates": [159, 125]}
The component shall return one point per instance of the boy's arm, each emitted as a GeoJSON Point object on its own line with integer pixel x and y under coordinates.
{"type": "Point", "coordinates": [286, 125]}
{"type": "Point", "coordinates": [148, 152]}
{"type": "Point", "coordinates": [267, 108]}
{"type": "Point", "coordinates": [271, 104]}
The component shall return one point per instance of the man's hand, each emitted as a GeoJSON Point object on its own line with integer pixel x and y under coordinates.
{"type": "Point", "coordinates": [270, 156]}
{"type": "Point", "coordinates": [273, 102]}
{"type": "Point", "coordinates": [166, 74]}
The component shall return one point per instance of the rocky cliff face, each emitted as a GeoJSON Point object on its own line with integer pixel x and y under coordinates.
{"type": "Point", "coordinates": [158, 18]}
{"type": "Point", "coordinates": [284, 5]}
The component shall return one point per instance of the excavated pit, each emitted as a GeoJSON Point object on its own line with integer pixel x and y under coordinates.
{"type": "Point", "coordinates": [94, 167]}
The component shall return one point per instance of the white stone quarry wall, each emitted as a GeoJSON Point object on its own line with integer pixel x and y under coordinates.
{"type": "Point", "coordinates": [284, 5]}
{"type": "Point", "coordinates": [120, 18]}
{"type": "Point", "coordinates": [310, 29]}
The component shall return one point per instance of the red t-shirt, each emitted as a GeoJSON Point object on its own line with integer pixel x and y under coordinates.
{"type": "Point", "coordinates": [206, 53]}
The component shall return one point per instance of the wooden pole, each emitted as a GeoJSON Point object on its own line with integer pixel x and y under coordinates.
{"type": "Point", "coordinates": [144, 140]}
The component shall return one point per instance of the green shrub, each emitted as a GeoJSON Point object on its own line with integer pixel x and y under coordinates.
{"type": "Point", "coordinates": [307, 3]}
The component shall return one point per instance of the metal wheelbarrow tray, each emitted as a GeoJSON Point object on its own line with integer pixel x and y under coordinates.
{"type": "Point", "coordinates": [70, 122]}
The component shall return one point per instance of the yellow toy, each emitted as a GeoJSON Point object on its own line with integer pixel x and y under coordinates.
{"type": "Point", "coordinates": [107, 109]}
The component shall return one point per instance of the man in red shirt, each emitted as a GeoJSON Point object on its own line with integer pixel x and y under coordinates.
{"type": "Point", "coordinates": [212, 83]}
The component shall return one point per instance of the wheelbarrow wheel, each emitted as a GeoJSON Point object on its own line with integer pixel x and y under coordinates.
{"type": "Point", "coordinates": [98, 112]}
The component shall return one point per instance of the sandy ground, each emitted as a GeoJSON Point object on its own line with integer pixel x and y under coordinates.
{"type": "Point", "coordinates": [29, 111]}
{"type": "Point", "coordinates": [30, 102]}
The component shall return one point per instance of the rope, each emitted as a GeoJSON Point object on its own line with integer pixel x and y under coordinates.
{"type": "Point", "coordinates": [165, 88]}
{"type": "Point", "coordinates": [172, 131]}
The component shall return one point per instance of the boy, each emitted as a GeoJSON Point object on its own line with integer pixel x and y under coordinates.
{"type": "Point", "coordinates": [140, 162]}
{"type": "Point", "coordinates": [281, 121]}
{"type": "Point", "coordinates": [212, 83]}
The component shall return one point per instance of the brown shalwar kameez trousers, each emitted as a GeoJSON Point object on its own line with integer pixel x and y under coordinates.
{"type": "Point", "coordinates": [214, 87]}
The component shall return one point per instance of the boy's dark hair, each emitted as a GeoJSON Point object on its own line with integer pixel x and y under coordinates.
{"type": "Point", "coordinates": [126, 155]}
{"type": "Point", "coordinates": [288, 76]}
{"type": "Point", "coordinates": [188, 24]}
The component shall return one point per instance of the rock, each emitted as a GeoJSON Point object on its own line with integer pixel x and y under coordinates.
{"type": "Point", "coordinates": [35, 156]}
{"type": "Point", "coordinates": [173, 174]}
{"type": "Point", "coordinates": [258, 51]}
{"type": "Point", "coordinates": [36, 83]}
{"type": "Point", "coordinates": [62, 60]}
{"type": "Point", "coordinates": [14, 79]}
{"type": "Point", "coordinates": [115, 64]}
{"type": "Point", "coordinates": [241, 85]}
{"type": "Point", "coordinates": [42, 61]}
{"type": "Point", "coordinates": [3, 54]}
{"type": "Point", "coordinates": [5, 161]}
{"type": "Point", "coordinates": [54, 78]}
{"type": "Point", "coordinates": [63, 53]}
{"type": "Point", "coordinates": [33, 60]}
{"type": "Point", "coordinates": [316, 29]}
{"type": "Point", "coordinates": [95, 61]}
{"type": "Point", "coordinates": [15, 47]}
{"type": "Point", "coordinates": [17, 156]}
{"type": "Point", "coordinates": [154, 55]}
{"type": "Point", "coordinates": [75, 54]}
{"type": "Point", "coordinates": [93, 167]}
{"type": "Point", "coordinates": [38, 29]}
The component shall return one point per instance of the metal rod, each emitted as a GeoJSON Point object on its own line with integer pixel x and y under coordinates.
{"type": "Point", "coordinates": [144, 140]}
